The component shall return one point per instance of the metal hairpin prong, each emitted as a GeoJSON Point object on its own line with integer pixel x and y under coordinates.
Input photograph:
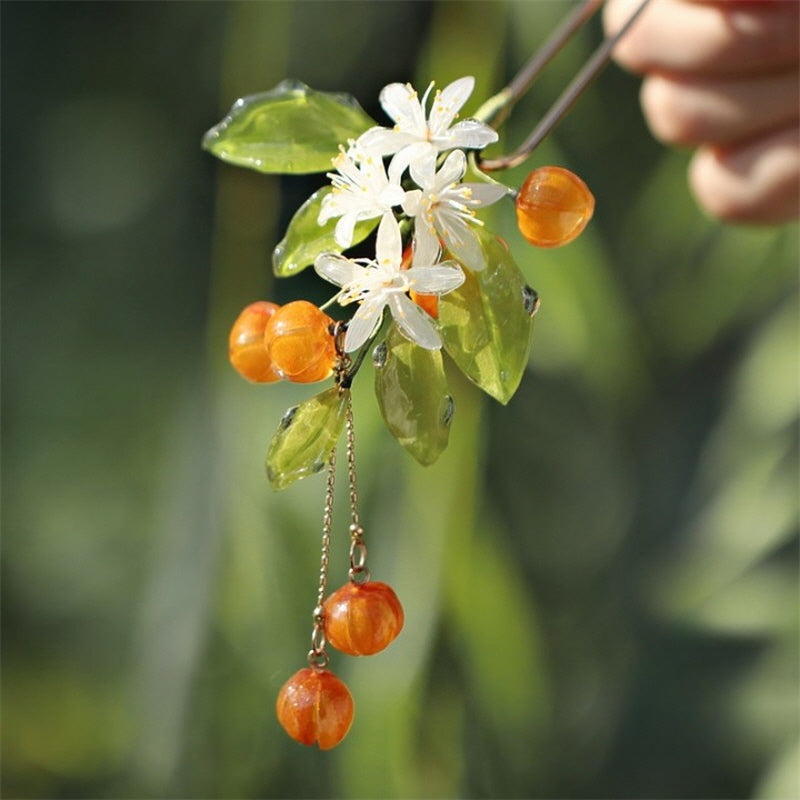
{"type": "Point", "coordinates": [572, 23]}
{"type": "Point", "coordinates": [521, 83]}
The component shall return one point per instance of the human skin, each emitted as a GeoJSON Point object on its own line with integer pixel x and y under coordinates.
{"type": "Point", "coordinates": [721, 78]}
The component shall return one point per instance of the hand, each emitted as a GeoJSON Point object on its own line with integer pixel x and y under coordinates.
{"type": "Point", "coordinates": [722, 77]}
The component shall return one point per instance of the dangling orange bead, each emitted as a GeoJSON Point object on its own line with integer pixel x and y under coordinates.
{"type": "Point", "coordinates": [246, 350]}
{"type": "Point", "coordinates": [553, 207]}
{"type": "Point", "coordinates": [299, 342]}
{"type": "Point", "coordinates": [362, 618]}
{"type": "Point", "coordinates": [315, 706]}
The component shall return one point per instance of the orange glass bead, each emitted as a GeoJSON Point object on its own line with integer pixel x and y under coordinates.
{"type": "Point", "coordinates": [315, 706]}
{"type": "Point", "coordinates": [299, 342]}
{"type": "Point", "coordinates": [553, 207]}
{"type": "Point", "coordinates": [362, 618]}
{"type": "Point", "coordinates": [408, 256]}
{"type": "Point", "coordinates": [246, 350]}
{"type": "Point", "coordinates": [429, 303]}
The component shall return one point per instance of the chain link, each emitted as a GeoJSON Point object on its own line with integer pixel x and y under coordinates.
{"type": "Point", "coordinates": [317, 656]}
{"type": "Point", "coordinates": [358, 550]}
{"type": "Point", "coordinates": [351, 463]}
{"type": "Point", "coordinates": [341, 369]}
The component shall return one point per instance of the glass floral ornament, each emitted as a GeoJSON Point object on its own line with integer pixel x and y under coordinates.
{"type": "Point", "coordinates": [553, 207]}
{"type": "Point", "coordinates": [246, 350]}
{"type": "Point", "coordinates": [480, 316]}
{"type": "Point", "coordinates": [362, 618]}
{"type": "Point", "coordinates": [299, 341]}
{"type": "Point", "coordinates": [361, 190]}
{"type": "Point", "coordinates": [444, 209]}
{"type": "Point", "coordinates": [315, 707]}
{"type": "Point", "coordinates": [418, 132]}
{"type": "Point", "coordinates": [376, 284]}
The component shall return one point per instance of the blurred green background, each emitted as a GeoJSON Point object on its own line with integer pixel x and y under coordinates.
{"type": "Point", "coordinates": [600, 579]}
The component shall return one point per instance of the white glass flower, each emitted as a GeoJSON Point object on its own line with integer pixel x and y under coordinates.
{"type": "Point", "coordinates": [445, 208]}
{"type": "Point", "coordinates": [381, 283]}
{"type": "Point", "coordinates": [426, 132]}
{"type": "Point", "coordinates": [361, 190]}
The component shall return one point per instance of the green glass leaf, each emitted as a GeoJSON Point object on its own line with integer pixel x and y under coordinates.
{"type": "Point", "coordinates": [305, 239]}
{"type": "Point", "coordinates": [412, 394]}
{"type": "Point", "coordinates": [289, 129]}
{"type": "Point", "coordinates": [305, 437]}
{"type": "Point", "coordinates": [487, 323]}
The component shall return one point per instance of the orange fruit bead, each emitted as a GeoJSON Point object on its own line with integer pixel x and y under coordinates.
{"type": "Point", "coordinates": [299, 342]}
{"type": "Point", "coordinates": [429, 303]}
{"type": "Point", "coordinates": [362, 618]}
{"type": "Point", "coordinates": [246, 350]}
{"type": "Point", "coordinates": [408, 257]}
{"type": "Point", "coordinates": [553, 207]}
{"type": "Point", "coordinates": [315, 706]}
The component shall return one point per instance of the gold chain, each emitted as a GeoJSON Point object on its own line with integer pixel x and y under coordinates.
{"type": "Point", "coordinates": [317, 656]}
{"type": "Point", "coordinates": [358, 572]}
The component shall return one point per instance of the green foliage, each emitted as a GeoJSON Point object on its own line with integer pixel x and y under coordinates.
{"type": "Point", "coordinates": [485, 324]}
{"type": "Point", "coordinates": [412, 394]}
{"type": "Point", "coordinates": [290, 129]}
{"type": "Point", "coordinates": [305, 437]}
{"type": "Point", "coordinates": [305, 238]}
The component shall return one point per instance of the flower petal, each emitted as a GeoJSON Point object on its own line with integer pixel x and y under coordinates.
{"type": "Point", "coordinates": [401, 103]}
{"type": "Point", "coordinates": [414, 323]}
{"type": "Point", "coordinates": [422, 164]}
{"type": "Point", "coordinates": [448, 103]}
{"type": "Point", "coordinates": [336, 269]}
{"type": "Point", "coordinates": [452, 170]}
{"type": "Point", "coordinates": [411, 155]}
{"type": "Point", "coordinates": [389, 242]}
{"type": "Point", "coordinates": [384, 141]}
{"type": "Point", "coordinates": [426, 245]}
{"type": "Point", "coordinates": [345, 229]}
{"type": "Point", "coordinates": [392, 195]}
{"type": "Point", "coordinates": [468, 133]}
{"type": "Point", "coordinates": [463, 244]}
{"type": "Point", "coordinates": [439, 279]}
{"type": "Point", "coordinates": [484, 194]}
{"type": "Point", "coordinates": [328, 209]}
{"type": "Point", "coordinates": [411, 202]}
{"type": "Point", "coordinates": [364, 322]}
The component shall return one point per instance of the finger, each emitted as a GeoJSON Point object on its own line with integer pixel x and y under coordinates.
{"type": "Point", "coordinates": [754, 182]}
{"type": "Point", "coordinates": [713, 38]}
{"type": "Point", "coordinates": [718, 110]}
